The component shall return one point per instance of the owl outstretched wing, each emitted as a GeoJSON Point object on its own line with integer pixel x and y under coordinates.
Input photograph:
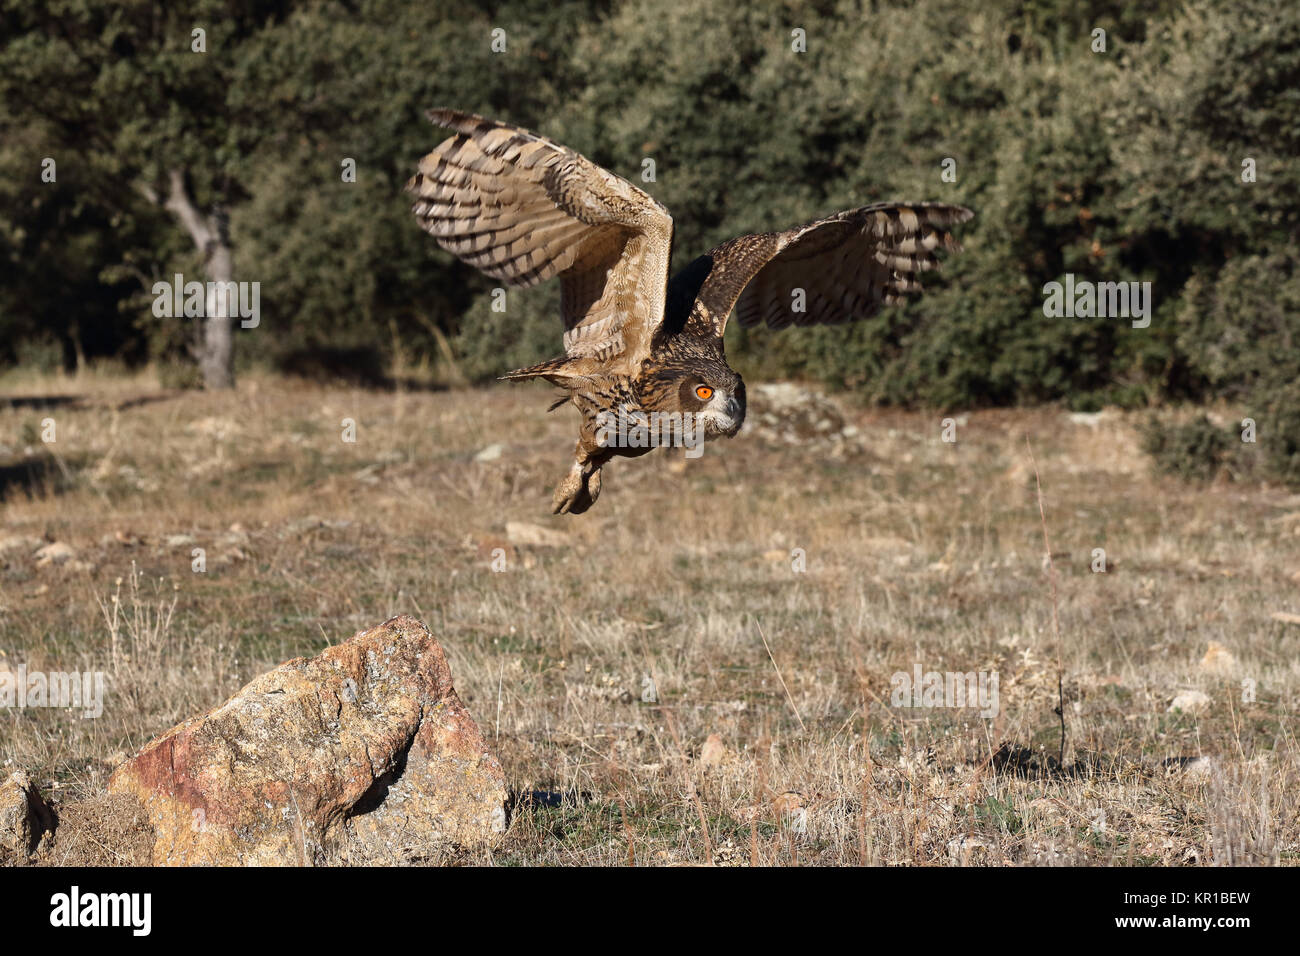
{"type": "Point", "coordinates": [523, 209]}
{"type": "Point", "coordinates": [834, 270]}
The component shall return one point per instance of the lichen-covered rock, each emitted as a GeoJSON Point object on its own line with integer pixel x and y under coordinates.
{"type": "Point", "coordinates": [24, 817]}
{"type": "Point", "coordinates": [363, 754]}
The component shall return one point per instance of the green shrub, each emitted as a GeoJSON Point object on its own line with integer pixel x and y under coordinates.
{"type": "Point", "coordinates": [1279, 435]}
{"type": "Point", "coordinates": [1194, 451]}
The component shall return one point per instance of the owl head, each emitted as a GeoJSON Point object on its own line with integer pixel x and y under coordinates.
{"type": "Point", "coordinates": [709, 392]}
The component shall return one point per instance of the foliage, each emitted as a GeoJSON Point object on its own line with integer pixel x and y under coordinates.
{"type": "Point", "coordinates": [1119, 166]}
{"type": "Point", "coordinates": [1194, 451]}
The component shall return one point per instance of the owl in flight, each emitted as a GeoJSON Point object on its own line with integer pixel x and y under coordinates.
{"type": "Point", "coordinates": [639, 346]}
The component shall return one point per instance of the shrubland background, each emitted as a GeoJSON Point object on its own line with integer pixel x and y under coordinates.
{"type": "Point", "coordinates": [1116, 166]}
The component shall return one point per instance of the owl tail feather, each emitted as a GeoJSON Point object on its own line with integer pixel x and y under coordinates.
{"type": "Point", "coordinates": [554, 371]}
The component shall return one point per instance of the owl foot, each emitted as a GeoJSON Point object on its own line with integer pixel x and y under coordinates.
{"type": "Point", "coordinates": [577, 490]}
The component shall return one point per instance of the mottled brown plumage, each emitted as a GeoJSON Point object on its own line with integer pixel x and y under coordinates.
{"type": "Point", "coordinates": [638, 347]}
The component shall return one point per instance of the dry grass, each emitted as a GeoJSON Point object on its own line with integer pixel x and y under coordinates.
{"type": "Point", "coordinates": [917, 551]}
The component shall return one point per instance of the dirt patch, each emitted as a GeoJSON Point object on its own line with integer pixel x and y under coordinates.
{"type": "Point", "coordinates": [101, 830]}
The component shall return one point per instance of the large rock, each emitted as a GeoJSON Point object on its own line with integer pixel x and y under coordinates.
{"type": "Point", "coordinates": [363, 754]}
{"type": "Point", "coordinates": [24, 817]}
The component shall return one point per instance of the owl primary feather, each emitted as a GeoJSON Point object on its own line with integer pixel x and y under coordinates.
{"type": "Point", "coordinates": [640, 349]}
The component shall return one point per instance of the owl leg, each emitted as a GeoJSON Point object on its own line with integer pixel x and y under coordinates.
{"type": "Point", "coordinates": [580, 487]}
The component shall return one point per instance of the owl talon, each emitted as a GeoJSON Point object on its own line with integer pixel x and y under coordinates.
{"type": "Point", "coordinates": [577, 491]}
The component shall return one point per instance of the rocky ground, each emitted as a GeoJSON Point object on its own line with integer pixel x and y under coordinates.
{"type": "Point", "coordinates": [705, 667]}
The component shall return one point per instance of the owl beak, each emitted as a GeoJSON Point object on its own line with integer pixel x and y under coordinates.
{"type": "Point", "coordinates": [736, 412]}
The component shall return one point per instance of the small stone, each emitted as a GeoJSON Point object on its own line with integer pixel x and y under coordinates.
{"type": "Point", "coordinates": [491, 453]}
{"type": "Point", "coordinates": [787, 802]}
{"type": "Point", "coordinates": [56, 552]}
{"type": "Point", "coordinates": [1090, 419]}
{"type": "Point", "coordinates": [713, 751]}
{"type": "Point", "coordinates": [24, 817]}
{"type": "Point", "coordinates": [1200, 770]}
{"type": "Point", "coordinates": [1189, 701]}
{"type": "Point", "coordinates": [1218, 659]}
{"type": "Point", "coordinates": [790, 807]}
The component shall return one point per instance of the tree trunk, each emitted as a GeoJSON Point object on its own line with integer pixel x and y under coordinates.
{"type": "Point", "coordinates": [216, 352]}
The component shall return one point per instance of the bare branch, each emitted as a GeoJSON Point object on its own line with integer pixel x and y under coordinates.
{"type": "Point", "coordinates": [148, 192]}
{"type": "Point", "coordinates": [182, 207]}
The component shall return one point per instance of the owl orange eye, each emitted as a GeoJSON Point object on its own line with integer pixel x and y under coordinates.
{"type": "Point", "coordinates": [703, 392]}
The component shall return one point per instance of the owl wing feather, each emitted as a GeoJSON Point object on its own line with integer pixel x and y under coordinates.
{"type": "Point", "coordinates": [523, 209]}
{"type": "Point", "coordinates": [846, 266]}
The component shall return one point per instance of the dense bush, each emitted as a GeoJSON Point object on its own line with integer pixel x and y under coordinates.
{"type": "Point", "coordinates": [1194, 450]}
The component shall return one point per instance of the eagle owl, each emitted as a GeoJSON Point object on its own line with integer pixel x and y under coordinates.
{"type": "Point", "coordinates": [643, 356]}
